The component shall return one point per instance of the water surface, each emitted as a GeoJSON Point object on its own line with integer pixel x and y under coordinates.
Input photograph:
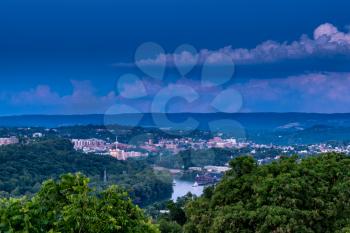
{"type": "Point", "coordinates": [183, 187]}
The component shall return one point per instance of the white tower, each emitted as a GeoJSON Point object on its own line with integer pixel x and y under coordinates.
{"type": "Point", "coordinates": [105, 176]}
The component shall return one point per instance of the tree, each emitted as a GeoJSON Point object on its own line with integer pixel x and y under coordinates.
{"type": "Point", "coordinates": [23, 167]}
{"type": "Point", "coordinates": [166, 226]}
{"type": "Point", "coordinates": [291, 195]}
{"type": "Point", "coordinates": [69, 205]}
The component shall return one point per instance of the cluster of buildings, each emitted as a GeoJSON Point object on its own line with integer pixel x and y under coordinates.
{"type": "Point", "coordinates": [124, 155]}
{"type": "Point", "coordinates": [218, 142]}
{"type": "Point", "coordinates": [326, 148]}
{"type": "Point", "coordinates": [210, 169]}
{"type": "Point", "coordinates": [301, 150]}
{"type": "Point", "coordinates": [174, 146]}
{"type": "Point", "coordinates": [92, 145]}
{"type": "Point", "coordinates": [8, 141]}
{"type": "Point", "coordinates": [4, 141]}
{"type": "Point", "coordinates": [310, 149]}
{"type": "Point", "coordinates": [116, 149]}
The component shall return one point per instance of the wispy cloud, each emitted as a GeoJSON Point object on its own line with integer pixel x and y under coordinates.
{"type": "Point", "coordinates": [83, 99]}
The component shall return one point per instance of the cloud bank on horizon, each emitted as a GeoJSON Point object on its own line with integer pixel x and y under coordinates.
{"type": "Point", "coordinates": [317, 91]}
{"type": "Point", "coordinates": [327, 40]}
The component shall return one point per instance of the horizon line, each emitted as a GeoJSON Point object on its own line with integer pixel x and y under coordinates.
{"type": "Point", "coordinates": [174, 113]}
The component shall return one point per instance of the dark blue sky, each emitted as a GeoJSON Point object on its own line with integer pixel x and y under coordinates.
{"type": "Point", "coordinates": [63, 56]}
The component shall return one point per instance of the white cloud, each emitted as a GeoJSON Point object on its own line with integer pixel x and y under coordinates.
{"type": "Point", "coordinates": [327, 39]}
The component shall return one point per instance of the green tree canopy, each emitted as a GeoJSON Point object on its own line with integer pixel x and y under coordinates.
{"type": "Point", "coordinates": [69, 205]}
{"type": "Point", "coordinates": [291, 195]}
{"type": "Point", "coordinates": [24, 167]}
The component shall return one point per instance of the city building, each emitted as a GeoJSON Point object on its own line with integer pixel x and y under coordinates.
{"type": "Point", "coordinates": [218, 169]}
{"type": "Point", "coordinates": [89, 144]}
{"type": "Point", "coordinates": [8, 141]}
{"type": "Point", "coordinates": [37, 135]}
{"type": "Point", "coordinates": [122, 154]}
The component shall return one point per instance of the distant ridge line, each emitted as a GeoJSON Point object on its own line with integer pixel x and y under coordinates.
{"type": "Point", "coordinates": [259, 120]}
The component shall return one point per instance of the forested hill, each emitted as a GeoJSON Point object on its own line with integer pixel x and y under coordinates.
{"type": "Point", "coordinates": [24, 167]}
{"type": "Point", "coordinates": [311, 195]}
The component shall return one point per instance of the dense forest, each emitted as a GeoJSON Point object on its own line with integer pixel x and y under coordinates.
{"type": "Point", "coordinates": [291, 195]}
{"type": "Point", "coordinates": [70, 205]}
{"type": "Point", "coordinates": [24, 167]}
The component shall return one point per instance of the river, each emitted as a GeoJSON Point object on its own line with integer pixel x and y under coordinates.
{"type": "Point", "coordinates": [183, 187]}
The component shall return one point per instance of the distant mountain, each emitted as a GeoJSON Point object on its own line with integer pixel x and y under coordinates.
{"type": "Point", "coordinates": [311, 135]}
{"type": "Point", "coordinates": [277, 128]}
{"type": "Point", "coordinates": [251, 121]}
{"type": "Point", "coordinates": [50, 121]}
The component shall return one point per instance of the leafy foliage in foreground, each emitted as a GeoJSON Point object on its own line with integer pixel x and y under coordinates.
{"type": "Point", "coordinates": [291, 195]}
{"type": "Point", "coordinates": [175, 218]}
{"type": "Point", "coordinates": [69, 205]}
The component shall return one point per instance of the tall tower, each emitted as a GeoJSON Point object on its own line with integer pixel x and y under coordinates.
{"type": "Point", "coordinates": [116, 142]}
{"type": "Point", "coordinates": [105, 176]}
